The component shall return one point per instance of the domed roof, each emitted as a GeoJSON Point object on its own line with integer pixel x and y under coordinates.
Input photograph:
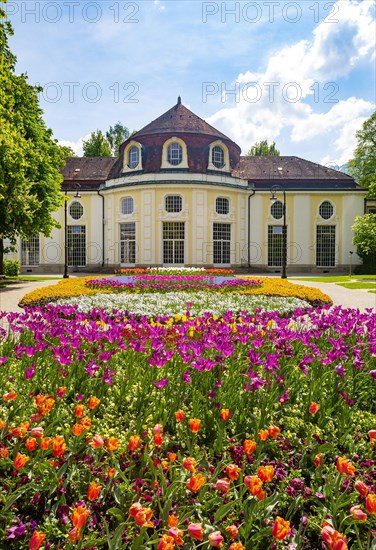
{"type": "Point", "coordinates": [179, 119]}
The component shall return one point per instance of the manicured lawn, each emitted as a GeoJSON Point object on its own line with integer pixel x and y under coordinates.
{"type": "Point", "coordinates": [334, 278]}
{"type": "Point", "coordinates": [244, 429]}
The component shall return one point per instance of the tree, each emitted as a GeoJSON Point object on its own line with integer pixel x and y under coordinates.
{"type": "Point", "coordinates": [363, 166]}
{"type": "Point", "coordinates": [30, 160]}
{"type": "Point", "coordinates": [263, 149]}
{"type": "Point", "coordinates": [116, 136]}
{"type": "Point", "coordinates": [97, 145]}
{"type": "Point", "coordinates": [364, 229]}
{"type": "Point", "coordinates": [67, 151]}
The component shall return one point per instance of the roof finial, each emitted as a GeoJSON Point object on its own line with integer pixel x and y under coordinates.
{"type": "Point", "coordinates": [179, 100]}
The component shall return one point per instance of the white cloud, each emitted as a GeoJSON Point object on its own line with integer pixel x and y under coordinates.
{"type": "Point", "coordinates": [158, 4]}
{"type": "Point", "coordinates": [306, 71]}
{"type": "Point", "coordinates": [75, 145]}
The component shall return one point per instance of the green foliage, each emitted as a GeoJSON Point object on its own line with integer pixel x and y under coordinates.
{"type": "Point", "coordinates": [365, 234]}
{"type": "Point", "coordinates": [67, 151]}
{"type": "Point", "coordinates": [30, 160]}
{"type": "Point", "coordinates": [263, 149]}
{"type": "Point", "coordinates": [116, 136]}
{"type": "Point", "coordinates": [97, 145]}
{"type": "Point", "coordinates": [363, 166]}
{"type": "Point", "coordinates": [12, 268]}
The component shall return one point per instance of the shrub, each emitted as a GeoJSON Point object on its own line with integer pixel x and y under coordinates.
{"type": "Point", "coordinates": [12, 268]}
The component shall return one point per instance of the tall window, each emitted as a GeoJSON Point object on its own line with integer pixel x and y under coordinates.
{"type": "Point", "coordinates": [133, 157]}
{"type": "Point", "coordinates": [128, 243]}
{"type": "Point", "coordinates": [127, 205]}
{"type": "Point", "coordinates": [218, 157]}
{"type": "Point", "coordinates": [325, 245]}
{"type": "Point", "coordinates": [222, 205]}
{"type": "Point", "coordinates": [221, 243]}
{"type": "Point", "coordinates": [275, 245]}
{"type": "Point", "coordinates": [173, 203]}
{"type": "Point", "coordinates": [174, 153]}
{"type": "Point", "coordinates": [173, 242]}
{"type": "Point", "coordinates": [76, 245]}
{"type": "Point", "coordinates": [30, 251]}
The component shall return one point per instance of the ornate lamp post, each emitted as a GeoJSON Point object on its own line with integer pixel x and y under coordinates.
{"type": "Point", "coordinates": [274, 191]}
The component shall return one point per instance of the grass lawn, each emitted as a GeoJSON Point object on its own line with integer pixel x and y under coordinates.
{"type": "Point", "coordinates": [334, 278]}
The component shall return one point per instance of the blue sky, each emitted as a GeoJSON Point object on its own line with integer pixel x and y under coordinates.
{"type": "Point", "coordinates": [299, 73]}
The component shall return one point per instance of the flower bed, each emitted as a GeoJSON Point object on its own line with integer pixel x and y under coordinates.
{"type": "Point", "coordinates": [165, 283]}
{"type": "Point", "coordinates": [174, 271]}
{"type": "Point", "coordinates": [240, 433]}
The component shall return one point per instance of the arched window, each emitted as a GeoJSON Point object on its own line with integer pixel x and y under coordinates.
{"type": "Point", "coordinates": [174, 153]}
{"type": "Point", "coordinates": [76, 210]}
{"type": "Point", "coordinates": [127, 205]}
{"type": "Point", "coordinates": [222, 205]}
{"type": "Point", "coordinates": [326, 210]}
{"type": "Point", "coordinates": [276, 210]}
{"type": "Point", "coordinates": [133, 157]}
{"type": "Point", "coordinates": [218, 157]}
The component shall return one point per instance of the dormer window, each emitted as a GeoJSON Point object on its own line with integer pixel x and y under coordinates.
{"type": "Point", "coordinates": [218, 157]}
{"type": "Point", "coordinates": [174, 153]}
{"type": "Point", "coordinates": [133, 157]}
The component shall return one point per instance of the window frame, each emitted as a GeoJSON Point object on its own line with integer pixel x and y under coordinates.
{"type": "Point", "coordinates": [217, 209]}
{"type": "Point", "coordinates": [174, 197]}
{"type": "Point", "coordinates": [122, 201]}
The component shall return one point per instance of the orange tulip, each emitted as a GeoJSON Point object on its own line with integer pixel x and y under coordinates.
{"type": "Point", "coordinates": [58, 446]}
{"type": "Point", "coordinates": [172, 457]}
{"type": "Point", "coordinates": [80, 410]}
{"type": "Point", "coordinates": [31, 444]}
{"type": "Point", "coordinates": [254, 484]}
{"type": "Point", "coordinates": [85, 422]}
{"type": "Point", "coordinates": [4, 453]}
{"type": "Point", "coordinates": [318, 460]}
{"type": "Point", "coordinates": [36, 541]}
{"type": "Point", "coordinates": [314, 408]}
{"type": "Point", "coordinates": [179, 415]}
{"type": "Point", "coordinates": [194, 425]}
{"type": "Point", "coordinates": [357, 514]}
{"type": "Point", "coordinates": [10, 396]}
{"type": "Point", "coordinates": [75, 534]}
{"type": "Point", "coordinates": [333, 539]}
{"type": "Point", "coordinates": [93, 402]}
{"type": "Point", "coordinates": [265, 473]}
{"type": "Point", "coordinates": [96, 442]}
{"type": "Point", "coordinates": [233, 531]}
{"type": "Point", "coordinates": [134, 442]}
{"type": "Point", "coordinates": [2, 424]}
{"type": "Point", "coordinates": [143, 516]}
{"type": "Point", "coordinates": [166, 543]}
{"type": "Point", "coordinates": [361, 488]}
{"type": "Point", "coordinates": [195, 531]}
{"type": "Point", "coordinates": [249, 446]}
{"type": "Point", "coordinates": [111, 472]}
{"type": "Point", "coordinates": [263, 435]}
{"type": "Point", "coordinates": [20, 431]}
{"type": "Point", "coordinates": [79, 516]}
{"type": "Point", "coordinates": [61, 391]}
{"type": "Point", "coordinates": [224, 414]}
{"type": "Point", "coordinates": [47, 405]}
{"type": "Point", "coordinates": [274, 431]}
{"type": "Point", "coordinates": [45, 443]}
{"type": "Point", "coordinates": [195, 482]}
{"type": "Point", "coordinates": [281, 528]}
{"type": "Point", "coordinates": [112, 443]}
{"type": "Point", "coordinates": [223, 485]}
{"type": "Point", "coordinates": [20, 461]}
{"type": "Point", "coordinates": [134, 509]}
{"type": "Point", "coordinates": [172, 520]}
{"type": "Point", "coordinates": [93, 490]}
{"type": "Point", "coordinates": [372, 436]}
{"type": "Point", "coordinates": [215, 539]}
{"type": "Point", "coordinates": [177, 535]}
{"type": "Point", "coordinates": [344, 466]}
{"type": "Point", "coordinates": [189, 464]}
{"type": "Point", "coordinates": [371, 503]}
{"type": "Point", "coordinates": [236, 546]}
{"type": "Point", "coordinates": [78, 429]}
{"type": "Point", "coordinates": [232, 470]}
